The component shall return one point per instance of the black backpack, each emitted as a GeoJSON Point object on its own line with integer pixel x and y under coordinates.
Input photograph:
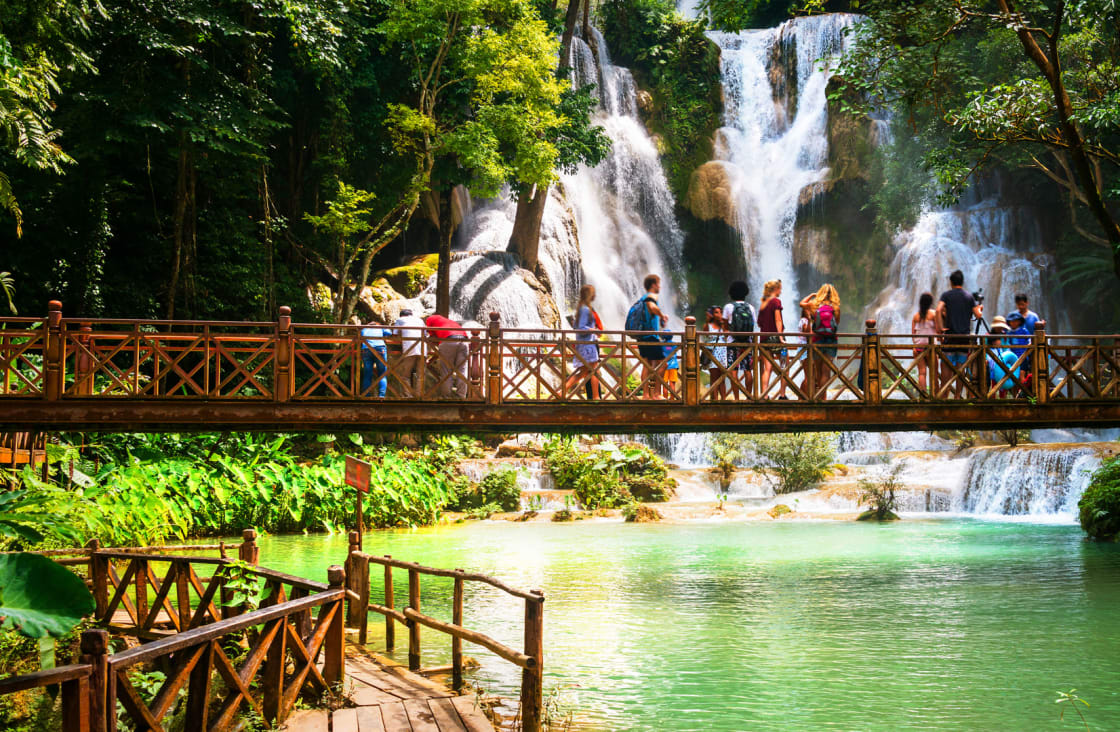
{"type": "Point", "coordinates": [742, 321]}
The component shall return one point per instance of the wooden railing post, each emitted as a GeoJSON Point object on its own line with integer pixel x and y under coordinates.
{"type": "Point", "coordinates": [99, 579]}
{"type": "Point", "coordinates": [390, 629]}
{"type": "Point", "coordinates": [94, 649]}
{"type": "Point", "coordinates": [249, 551]}
{"type": "Point", "coordinates": [413, 626]}
{"type": "Point", "coordinates": [691, 363]}
{"type": "Point", "coordinates": [53, 352]}
{"type": "Point", "coordinates": [494, 360]}
{"type": "Point", "coordinates": [83, 363]}
{"type": "Point", "coordinates": [272, 676]}
{"type": "Point", "coordinates": [532, 690]}
{"type": "Point", "coordinates": [357, 581]}
{"type": "Point", "coordinates": [456, 642]}
{"type": "Point", "coordinates": [198, 691]}
{"type": "Point", "coordinates": [282, 391]}
{"type": "Point", "coordinates": [334, 655]}
{"type": "Point", "coordinates": [140, 579]}
{"type": "Point", "coordinates": [872, 385]}
{"type": "Point", "coordinates": [1040, 356]}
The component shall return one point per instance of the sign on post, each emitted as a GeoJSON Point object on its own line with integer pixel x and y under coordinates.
{"type": "Point", "coordinates": [357, 474]}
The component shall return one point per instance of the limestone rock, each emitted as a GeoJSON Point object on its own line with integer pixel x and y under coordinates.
{"type": "Point", "coordinates": [709, 193]}
{"type": "Point", "coordinates": [851, 138]}
{"type": "Point", "coordinates": [645, 104]}
{"type": "Point", "coordinates": [546, 305]}
{"type": "Point", "coordinates": [411, 278]}
{"type": "Point", "coordinates": [644, 515]}
{"type": "Point", "coordinates": [778, 510]}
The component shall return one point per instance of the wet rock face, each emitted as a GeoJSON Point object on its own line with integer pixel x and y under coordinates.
{"type": "Point", "coordinates": [851, 138]}
{"type": "Point", "coordinates": [782, 70]}
{"type": "Point", "coordinates": [710, 195]}
{"type": "Point", "coordinates": [411, 278]}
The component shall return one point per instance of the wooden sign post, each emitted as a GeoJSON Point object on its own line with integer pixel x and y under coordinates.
{"type": "Point", "coordinates": [357, 475]}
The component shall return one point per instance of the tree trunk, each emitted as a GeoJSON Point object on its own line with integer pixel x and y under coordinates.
{"type": "Point", "coordinates": [569, 31]}
{"type": "Point", "coordinates": [525, 239]}
{"type": "Point", "coordinates": [178, 218]}
{"type": "Point", "coordinates": [587, 20]}
{"type": "Point", "coordinates": [443, 272]}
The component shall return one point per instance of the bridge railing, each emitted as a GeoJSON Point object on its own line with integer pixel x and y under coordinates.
{"type": "Point", "coordinates": [530, 660]}
{"type": "Point", "coordinates": [58, 358]}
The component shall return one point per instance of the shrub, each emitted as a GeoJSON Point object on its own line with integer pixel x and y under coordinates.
{"type": "Point", "coordinates": [879, 495]}
{"type": "Point", "coordinates": [793, 462]}
{"type": "Point", "coordinates": [632, 470]}
{"type": "Point", "coordinates": [1100, 504]}
{"type": "Point", "coordinates": [602, 490]}
{"type": "Point", "coordinates": [498, 488]}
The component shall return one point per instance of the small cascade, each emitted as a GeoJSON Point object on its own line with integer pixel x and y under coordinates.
{"type": "Point", "coordinates": [998, 247]}
{"type": "Point", "coordinates": [774, 140]}
{"type": "Point", "coordinates": [623, 208]}
{"type": "Point", "coordinates": [1035, 481]}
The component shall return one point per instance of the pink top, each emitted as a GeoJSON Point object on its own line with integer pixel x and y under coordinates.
{"type": "Point", "coordinates": [923, 329]}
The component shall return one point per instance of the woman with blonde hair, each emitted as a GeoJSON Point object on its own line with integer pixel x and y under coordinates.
{"type": "Point", "coordinates": [824, 308]}
{"type": "Point", "coordinates": [585, 365]}
{"type": "Point", "coordinates": [771, 325]}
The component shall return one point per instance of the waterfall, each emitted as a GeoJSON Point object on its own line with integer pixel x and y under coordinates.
{"type": "Point", "coordinates": [1036, 481]}
{"type": "Point", "coordinates": [623, 207]}
{"type": "Point", "coordinates": [774, 142]}
{"type": "Point", "coordinates": [998, 248]}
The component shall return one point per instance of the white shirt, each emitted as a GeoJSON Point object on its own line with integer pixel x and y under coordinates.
{"type": "Point", "coordinates": [729, 310]}
{"type": "Point", "coordinates": [412, 335]}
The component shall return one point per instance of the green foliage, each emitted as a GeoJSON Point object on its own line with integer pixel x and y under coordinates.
{"type": "Point", "coordinates": [1070, 700]}
{"type": "Point", "coordinates": [609, 476]}
{"type": "Point", "coordinates": [498, 489]}
{"type": "Point", "coordinates": [879, 495]}
{"type": "Point", "coordinates": [795, 461]}
{"type": "Point", "coordinates": [246, 588]}
{"type": "Point", "coordinates": [1099, 507]}
{"type": "Point", "coordinates": [40, 598]}
{"type": "Point", "coordinates": [679, 65]}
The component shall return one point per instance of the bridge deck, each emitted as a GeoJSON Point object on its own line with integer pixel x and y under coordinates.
{"type": "Point", "coordinates": [389, 698]}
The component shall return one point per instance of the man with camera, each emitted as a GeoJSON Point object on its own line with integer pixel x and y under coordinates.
{"type": "Point", "coordinates": [955, 312]}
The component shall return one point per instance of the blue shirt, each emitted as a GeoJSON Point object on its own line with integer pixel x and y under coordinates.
{"type": "Point", "coordinates": [1024, 339]}
{"type": "Point", "coordinates": [1030, 320]}
{"type": "Point", "coordinates": [374, 337]}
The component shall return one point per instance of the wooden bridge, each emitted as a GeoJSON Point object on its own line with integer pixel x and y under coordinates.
{"type": "Point", "coordinates": [224, 660]}
{"type": "Point", "coordinates": [78, 373]}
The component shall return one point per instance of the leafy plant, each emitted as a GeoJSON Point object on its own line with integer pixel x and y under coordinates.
{"type": "Point", "coordinates": [794, 461]}
{"type": "Point", "coordinates": [1070, 700]}
{"type": "Point", "coordinates": [41, 599]}
{"type": "Point", "coordinates": [246, 588]}
{"type": "Point", "coordinates": [1099, 506]}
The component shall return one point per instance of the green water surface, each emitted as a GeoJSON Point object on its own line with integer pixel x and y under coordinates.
{"type": "Point", "coordinates": [921, 625]}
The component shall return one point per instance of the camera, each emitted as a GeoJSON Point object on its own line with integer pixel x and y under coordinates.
{"type": "Point", "coordinates": [978, 296]}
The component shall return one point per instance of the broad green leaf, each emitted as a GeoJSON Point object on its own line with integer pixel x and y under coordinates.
{"type": "Point", "coordinates": [39, 597]}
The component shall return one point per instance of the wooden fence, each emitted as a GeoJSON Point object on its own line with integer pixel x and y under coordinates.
{"type": "Point", "coordinates": [61, 359]}
{"type": "Point", "coordinates": [187, 619]}
{"type": "Point", "coordinates": [530, 660]}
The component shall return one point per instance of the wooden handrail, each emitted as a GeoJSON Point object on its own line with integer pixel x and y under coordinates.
{"type": "Point", "coordinates": [45, 677]}
{"type": "Point", "coordinates": [503, 651]}
{"type": "Point", "coordinates": [213, 631]}
{"type": "Point", "coordinates": [437, 572]}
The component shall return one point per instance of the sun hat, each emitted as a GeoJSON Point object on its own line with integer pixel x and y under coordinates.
{"type": "Point", "coordinates": [999, 325]}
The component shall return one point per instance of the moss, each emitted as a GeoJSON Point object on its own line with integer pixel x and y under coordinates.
{"type": "Point", "coordinates": [872, 515]}
{"type": "Point", "coordinates": [564, 514]}
{"type": "Point", "coordinates": [640, 514]}
{"type": "Point", "coordinates": [411, 278]}
{"type": "Point", "coordinates": [779, 510]}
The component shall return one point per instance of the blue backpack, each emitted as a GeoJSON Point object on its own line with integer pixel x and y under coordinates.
{"type": "Point", "coordinates": [641, 319]}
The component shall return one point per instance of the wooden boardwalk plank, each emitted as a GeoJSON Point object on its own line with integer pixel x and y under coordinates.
{"type": "Point", "coordinates": [420, 716]}
{"type": "Point", "coordinates": [344, 720]}
{"type": "Point", "coordinates": [369, 719]}
{"type": "Point", "coordinates": [446, 716]}
{"type": "Point", "coordinates": [369, 696]}
{"type": "Point", "coordinates": [395, 718]}
{"type": "Point", "coordinates": [473, 718]}
{"type": "Point", "coordinates": [309, 720]}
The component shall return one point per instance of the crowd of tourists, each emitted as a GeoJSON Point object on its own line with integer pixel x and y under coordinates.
{"type": "Point", "coordinates": [733, 336]}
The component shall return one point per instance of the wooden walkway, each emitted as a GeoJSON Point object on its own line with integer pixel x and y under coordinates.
{"type": "Point", "coordinates": [390, 698]}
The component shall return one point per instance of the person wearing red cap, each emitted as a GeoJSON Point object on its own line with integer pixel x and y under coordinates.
{"type": "Point", "coordinates": [454, 351]}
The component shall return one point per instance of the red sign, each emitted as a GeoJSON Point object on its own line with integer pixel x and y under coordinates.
{"type": "Point", "coordinates": [357, 474]}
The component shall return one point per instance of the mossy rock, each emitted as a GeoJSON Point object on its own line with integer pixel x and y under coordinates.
{"type": "Point", "coordinates": [870, 515]}
{"type": "Point", "coordinates": [411, 278]}
{"type": "Point", "coordinates": [643, 515]}
{"type": "Point", "coordinates": [563, 514]}
{"type": "Point", "coordinates": [779, 510]}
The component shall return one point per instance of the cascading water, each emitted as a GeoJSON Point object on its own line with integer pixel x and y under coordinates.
{"type": "Point", "coordinates": [623, 207]}
{"type": "Point", "coordinates": [1037, 481]}
{"type": "Point", "coordinates": [774, 143]}
{"type": "Point", "coordinates": [608, 226]}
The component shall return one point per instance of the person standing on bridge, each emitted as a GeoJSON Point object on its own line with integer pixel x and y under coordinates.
{"type": "Point", "coordinates": [771, 325]}
{"type": "Point", "coordinates": [375, 358]}
{"type": "Point", "coordinates": [824, 306]}
{"type": "Point", "coordinates": [923, 326]}
{"type": "Point", "coordinates": [585, 365]}
{"type": "Point", "coordinates": [646, 319]}
{"type": "Point", "coordinates": [955, 312]}
{"type": "Point", "coordinates": [454, 353]}
{"type": "Point", "coordinates": [411, 365]}
{"type": "Point", "coordinates": [740, 319]}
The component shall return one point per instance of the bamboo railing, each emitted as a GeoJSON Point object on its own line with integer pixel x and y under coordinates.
{"type": "Point", "coordinates": [530, 660]}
